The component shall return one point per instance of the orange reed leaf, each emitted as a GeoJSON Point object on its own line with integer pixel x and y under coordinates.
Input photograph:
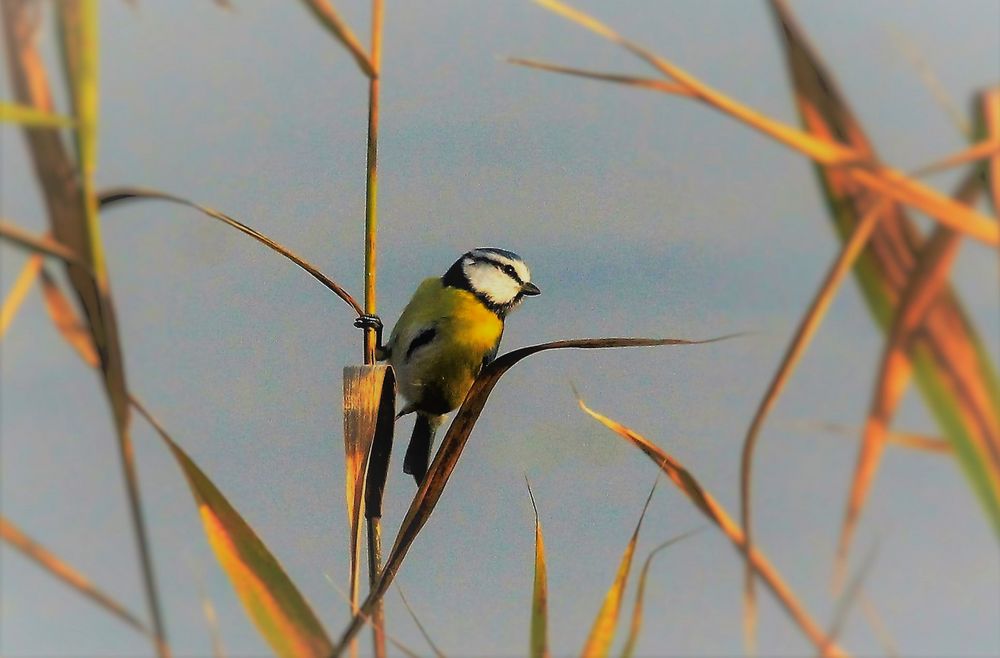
{"type": "Point", "coordinates": [67, 574]}
{"type": "Point", "coordinates": [269, 597]}
{"type": "Point", "coordinates": [68, 322]}
{"type": "Point", "coordinates": [708, 506]}
{"type": "Point", "coordinates": [22, 284]}
{"type": "Point", "coordinates": [602, 633]}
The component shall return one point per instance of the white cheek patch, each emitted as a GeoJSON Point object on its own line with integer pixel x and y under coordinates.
{"type": "Point", "coordinates": [492, 283]}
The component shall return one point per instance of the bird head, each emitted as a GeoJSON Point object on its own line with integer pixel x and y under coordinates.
{"type": "Point", "coordinates": [499, 278]}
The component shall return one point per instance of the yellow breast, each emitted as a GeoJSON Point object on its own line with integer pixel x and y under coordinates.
{"type": "Point", "coordinates": [440, 374]}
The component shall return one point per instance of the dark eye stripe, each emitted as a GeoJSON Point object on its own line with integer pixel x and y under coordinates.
{"type": "Point", "coordinates": [506, 268]}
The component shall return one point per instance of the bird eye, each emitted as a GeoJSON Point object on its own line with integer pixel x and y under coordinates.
{"type": "Point", "coordinates": [509, 270]}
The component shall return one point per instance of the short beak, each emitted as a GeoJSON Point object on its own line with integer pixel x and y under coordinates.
{"type": "Point", "coordinates": [530, 290]}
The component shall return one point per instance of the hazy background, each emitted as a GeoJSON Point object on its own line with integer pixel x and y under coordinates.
{"type": "Point", "coordinates": [640, 214]}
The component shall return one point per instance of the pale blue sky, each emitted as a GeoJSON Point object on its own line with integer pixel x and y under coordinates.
{"type": "Point", "coordinates": [640, 214]}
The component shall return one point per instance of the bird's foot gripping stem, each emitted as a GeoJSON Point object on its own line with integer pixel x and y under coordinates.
{"type": "Point", "coordinates": [374, 322]}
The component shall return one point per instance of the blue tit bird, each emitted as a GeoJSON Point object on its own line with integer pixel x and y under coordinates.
{"type": "Point", "coordinates": [447, 333]}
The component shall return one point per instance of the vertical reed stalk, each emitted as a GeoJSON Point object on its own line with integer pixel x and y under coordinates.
{"type": "Point", "coordinates": [371, 225]}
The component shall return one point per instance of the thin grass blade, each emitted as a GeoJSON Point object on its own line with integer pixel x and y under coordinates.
{"type": "Point", "coordinates": [117, 195]}
{"type": "Point", "coordinates": [602, 632]}
{"type": "Point", "coordinates": [269, 597]}
{"type": "Point", "coordinates": [708, 506]}
{"type": "Point", "coordinates": [427, 496]}
{"type": "Point", "coordinates": [889, 645]}
{"type": "Point", "coordinates": [22, 284]}
{"type": "Point", "coordinates": [67, 574]}
{"type": "Point", "coordinates": [987, 149]}
{"type": "Point", "coordinates": [416, 620]}
{"type": "Point", "coordinates": [850, 596]}
{"type": "Point", "coordinates": [930, 81]}
{"type": "Point", "coordinates": [32, 117]}
{"type": "Point", "coordinates": [539, 645]}
{"type": "Point", "coordinates": [912, 440]}
{"type": "Point", "coordinates": [406, 651]}
{"type": "Point", "coordinates": [636, 625]}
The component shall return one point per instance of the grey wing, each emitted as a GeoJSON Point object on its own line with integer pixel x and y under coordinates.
{"type": "Point", "coordinates": [421, 339]}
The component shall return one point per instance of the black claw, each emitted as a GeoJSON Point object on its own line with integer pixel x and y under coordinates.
{"type": "Point", "coordinates": [368, 322]}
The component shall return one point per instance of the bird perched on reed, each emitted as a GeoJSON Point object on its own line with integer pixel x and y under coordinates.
{"type": "Point", "coordinates": [448, 332]}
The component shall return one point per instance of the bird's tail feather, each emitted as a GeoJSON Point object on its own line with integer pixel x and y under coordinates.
{"type": "Point", "coordinates": [418, 453]}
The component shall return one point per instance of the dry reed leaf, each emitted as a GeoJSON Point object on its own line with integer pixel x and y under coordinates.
{"type": "Point", "coordinates": [704, 501]}
{"type": "Point", "coordinates": [67, 574]}
{"type": "Point", "coordinates": [67, 189]}
{"type": "Point", "coordinates": [41, 244]}
{"type": "Point", "coordinates": [602, 633]}
{"type": "Point", "coordinates": [416, 620]}
{"type": "Point", "coordinates": [119, 194]}
{"type": "Point", "coordinates": [857, 165]}
{"type": "Point", "coordinates": [365, 389]}
{"type": "Point", "coordinates": [954, 370]}
{"type": "Point", "coordinates": [32, 117]}
{"type": "Point", "coordinates": [628, 80]}
{"type": "Point", "coordinates": [331, 20]}
{"type": "Point", "coordinates": [12, 302]}
{"type": "Point", "coordinates": [270, 599]}
{"type": "Point", "coordinates": [636, 625]}
{"type": "Point", "coordinates": [804, 333]}
{"type": "Point", "coordinates": [427, 496]}
{"type": "Point", "coordinates": [539, 638]}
